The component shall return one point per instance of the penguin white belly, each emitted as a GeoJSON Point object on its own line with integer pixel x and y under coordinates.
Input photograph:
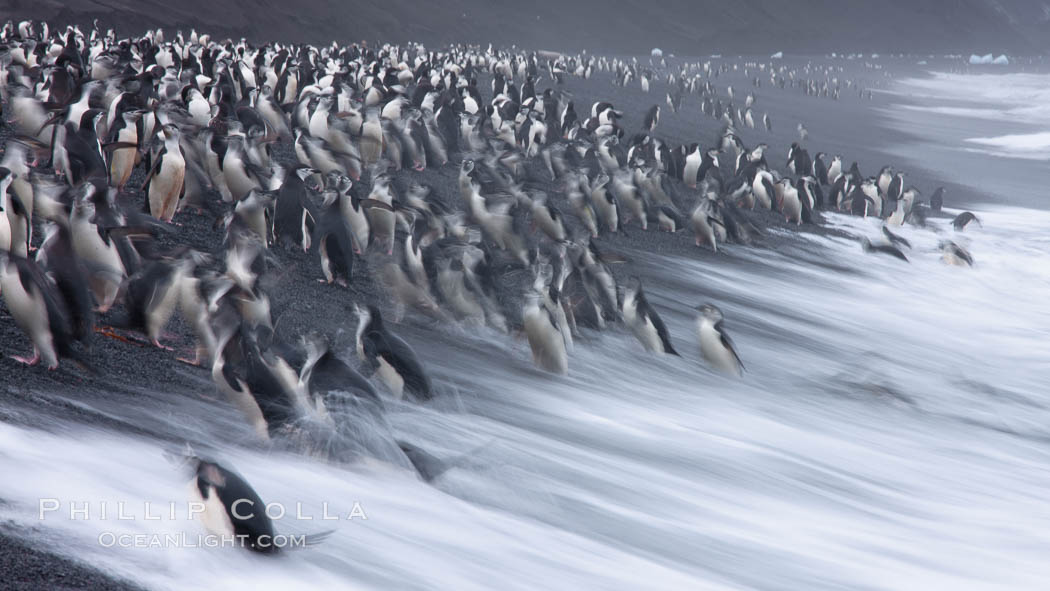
{"type": "Point", "coordinates": [166, 186]}
{"type": "Point", "coordinates": [609, 217]}
{"type": "Point", "coordinates": [382, 225]}
{"type": "Point", "coordinates": [586, 214]}
{"type": "Point", "coordinates": [158, 315]}
{"type": "Point", "coordinates": [200, 112]}
{"type": "Point", "coordinates": [642, 328]}
{"type": "Point", "coordinates": [275, 119]}
{"type": "Point", "coordinates": [897, 217]}
{"type": "Point", "coordinates": [711, 347]}
{"type": "Point", "coordinates": [238, 181]}
{"type": "Point", "coordinates": [689, 175]}
{"type": "Point", "coordinates": [5, 231]}
{"type": "Point", "coordinates": [563, 324]}
{"type": "Point", "coordinates": [549, 226]}
{"type": "Point", "coordinates": [90, 247]}
{"type": "Point", "coordinates": [244, 401]}
{"type": "Point", "coordinates": [462, 303]}
{"type": "Point", "coordinates": [61, 162]}
{"type": "Point", "coordinates": [23, 189]}
{"type": "Point", "coordinates": [704, 232]}
{"type": "Point", "coordinates": [123, 160]}
{"type": "Point", "coordinates": [762, 197]}
{"type": "Point", "coordinates": [195, 311]}
{"type": "Point", "coordinates": [217, 176]}
{"type": "Point", "coordinates": [121, 166]}
{"type": "Point", "coordinates": [547, 343]}
{"type": "Point", "coordinates": [792, 208]}
{"type": "Point", "coordinates": [326, 261]}
{"type": "Point", "coordinates": [391, 378]}
{"type": "Point", "coordinates": [637, 208]}
{"type": "Point", "coordinates": [214, 518]}
{"type": "Point", "coordinates": [322, 160]}
{"type": "Point", "coordinates": [319, 124]}
{"type": "Point", "coordinates": [30, 314]}
{"type": "Point", "coordinates": [646, 333]}
{"type": "Point", "coordinates": [371, 143]}
{"type": "Point", "coordinates": [952, 259]}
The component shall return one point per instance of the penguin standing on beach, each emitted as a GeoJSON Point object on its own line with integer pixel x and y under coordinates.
{"type": "Point", "coordinates": [293, 213]}
{"type": "Point", "coordinates": [820, 169]}
{"type": "Point", "coordinates": [381, 216]}
{"type": "Point", "coordinates": [165, 183]}
{"type": "Point", "coordinates": [125, 138]}
{"type": "Point", "coordinates": [15, 220]}
{"type": "Point", "coordinates": [335, 243]}
{"type": "Point", "coordinates": [36, 309]}
{"type": "Point", "coordinates": [371, 139]}
{"type": "Point", "coordinates": [151, 296]}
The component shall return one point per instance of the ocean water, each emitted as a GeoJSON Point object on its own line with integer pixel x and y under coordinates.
{"type": "Point", "coordinates": [892, 431]}
{"type": "Point", "coordinates": [1014, 100]}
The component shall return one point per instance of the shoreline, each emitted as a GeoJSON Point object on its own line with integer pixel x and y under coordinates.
{"type": "Point", "coordinates": [38, 398]}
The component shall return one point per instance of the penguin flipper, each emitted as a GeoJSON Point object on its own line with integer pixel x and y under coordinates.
{"type": "Point", "coordinates": [728, 344]}
{"type": "Point", "coordinates": [149, 176]}
{"type": "Point", "coordinates": [401, 357]}
{"type": "Point", "coordinates": [662, 332]}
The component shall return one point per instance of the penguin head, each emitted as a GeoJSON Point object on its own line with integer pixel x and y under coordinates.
{"type": "Point", "coordinates": [343, 184]}
{"type": "Point", "coordinates": [710, 312]}
{"type": "Point", "coordinates": [171, 132]}
{"type": "Point", "coordinates": [305, 172]}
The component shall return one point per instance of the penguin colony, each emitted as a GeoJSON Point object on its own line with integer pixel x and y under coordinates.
{"type": "Point", "coordinates": [81, 250]}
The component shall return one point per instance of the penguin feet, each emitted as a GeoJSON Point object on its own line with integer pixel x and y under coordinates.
{"type": "Point", "coordinates": [30, 361]}
{"type": "Point", "coordinates": [112, 333]}
{"type": "Point", "coordinates": [156, 343]}
{"type": "Point", "coordinates": [34, 360]}
{"type": "Point", "coordinates": [195, 361]}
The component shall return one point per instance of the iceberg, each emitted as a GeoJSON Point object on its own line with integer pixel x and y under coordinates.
{"type": "Point", "coordinates": [984, 60]}
{"type": "Point", "coordinates": [778, 55]}
{"type": "Point", "coordinates": [657, 52]}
